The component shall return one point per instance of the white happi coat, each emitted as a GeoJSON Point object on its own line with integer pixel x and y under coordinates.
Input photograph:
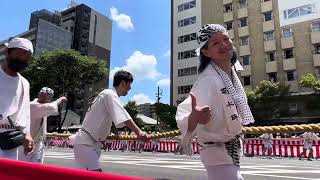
{"type": "Point", "coordinates": [225, 122]}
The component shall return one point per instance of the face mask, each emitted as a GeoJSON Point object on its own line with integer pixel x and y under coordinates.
{"type": "Point", "coordinates": [17, 65]}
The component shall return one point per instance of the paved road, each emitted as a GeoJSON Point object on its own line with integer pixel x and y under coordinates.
{"type": "Point", "coordinates": [170, 166]}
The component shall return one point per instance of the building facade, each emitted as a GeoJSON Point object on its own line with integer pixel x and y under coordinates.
{"type": "Point", "coordinates": [276, 40]}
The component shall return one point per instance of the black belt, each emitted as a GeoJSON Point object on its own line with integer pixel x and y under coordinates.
{"type": "Point", "coordinates": [8, 126]}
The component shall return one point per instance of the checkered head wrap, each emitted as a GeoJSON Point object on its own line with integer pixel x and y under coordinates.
{"type": "Point", "coordinates": [205, 34]}
{"type": "Point", "coordinates": [47, 90]}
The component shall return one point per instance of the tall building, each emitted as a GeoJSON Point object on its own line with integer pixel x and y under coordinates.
{"type": "Point", "coordinates": [91, 35]}
{"type": "Point", "coordinates": [91, 31]}
{"type": "Point", "coordinates": [148, 110]}
{"type": "Point", "coordinates": [45, 15]}
{"type": "Point", "coordinates": [277, 40]}
{"type": "Point", "coordinates": [45, 36]}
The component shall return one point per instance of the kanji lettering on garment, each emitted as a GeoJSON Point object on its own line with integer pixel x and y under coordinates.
{"type": "Point", "coordinates": [230, 103]}
{"type": "Point", "coordinates": [234, 117]}
{"type": "Point", "coordinates": [224, 91]}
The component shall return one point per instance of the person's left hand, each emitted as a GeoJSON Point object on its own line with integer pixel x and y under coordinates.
{"type": "Point", "coordinates": [28, 144]}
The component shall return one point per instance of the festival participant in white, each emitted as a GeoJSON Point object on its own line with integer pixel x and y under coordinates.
{"type": "Point", "coordinates": [105, 110]}
{"type": "Point", "coordinates": [217, 106]}
{"type": "Point", "coordinates": [267, 144]}
{"type": "Point", "coordinates": [309, 137]}
{"type": "Point", "coordinates": [41, 108]}
{"type": "Point", "coordinates": [15, 99]}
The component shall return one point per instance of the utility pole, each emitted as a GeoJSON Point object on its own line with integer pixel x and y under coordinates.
{"type": "Point", "coordinates": [158, 97]}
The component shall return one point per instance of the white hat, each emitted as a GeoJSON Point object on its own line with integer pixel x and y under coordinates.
{"type": "Point", "coordinates": [20, 43]}
{"type": "Point", "coordinates": [48, 91]}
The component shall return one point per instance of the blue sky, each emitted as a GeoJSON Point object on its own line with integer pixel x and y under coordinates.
{"type": "Point", "coordinates": [140, 38]}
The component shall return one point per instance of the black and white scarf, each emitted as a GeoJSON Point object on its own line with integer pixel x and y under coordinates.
{"type": "Point", "coordinates": [237, 92]}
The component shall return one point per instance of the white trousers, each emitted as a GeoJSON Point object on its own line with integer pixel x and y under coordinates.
{"type": "Point", "coordinates": [224, 172]}
{"type": "Point", "coordinates": [87, 157]}
{"type": "Point", "coordinates": [9, 154]}
{"type": "Point", "coordinates": [36, 156]}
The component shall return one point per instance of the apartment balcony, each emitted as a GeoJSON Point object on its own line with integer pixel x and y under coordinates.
{"type": "Point", "coordinates": [243, 31]}
{"type": "Point", "coordinates": [243, 12]}
{"type": "Point", "coordinates": [231, 33]}
{"type": "Point", "coordinates": [269, 45]}
{"type": "Point", "coordinates": [316, 60]}
{"type": "Point", "coordinates": [271, 66]}
{"type": "Point", "coordinates": [289, 64]}
{"type": "Point", "coordinates": [294, 87]}
{"type": "Point", "coordinates": [266, 6]}
{"type": "Point", "coordinates": [244, 50]}
{"type": "Point", "coordinates": [246, 70]}
{"type": "Point", "coordinates": [268, 26]}
{"type": "Point", "coordinates": [315, 37]}
{"type": "Point", "coordinates": [227, 2]}
{"type": "Point", "coordinates": [287, 42]}
{"type": "Point", "coordinates": [228, 16]}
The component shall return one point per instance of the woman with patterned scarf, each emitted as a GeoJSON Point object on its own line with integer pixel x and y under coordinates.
{"type": "Point", "coordinates": [217, 106]}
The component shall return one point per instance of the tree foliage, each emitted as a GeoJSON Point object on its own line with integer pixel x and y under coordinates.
{"type": "Point", "coordinates": [310, 81]}
{"type": "Point", "coordinates": [64, 70]}
{"type": "Point", "coordinates": [265, 99]}
{"type": "Point", "coordinates": [133, 109]}
{"type": "Point", "coordinates": [166, 114]}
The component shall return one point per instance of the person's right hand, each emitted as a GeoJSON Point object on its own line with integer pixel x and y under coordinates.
{"type": "Point", "coordinates": [199, 114]}
{"type": "Point", "coordinates": [143, 136]}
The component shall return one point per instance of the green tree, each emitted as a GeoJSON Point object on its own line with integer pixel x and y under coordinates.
{"type": "Point", "coordinates": [310, 81]}
{"type": "Point", "coordinates": [66, 71]}
{"type": "Point", "coordinates": [166, 114]}
{"type": "Point", "coordinates": [265, 99]}
{"type": "Point", "coordinates": [133, 109]}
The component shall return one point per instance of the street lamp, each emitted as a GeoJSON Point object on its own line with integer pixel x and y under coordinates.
{"type": "Point", "coordinates": [158, 97]}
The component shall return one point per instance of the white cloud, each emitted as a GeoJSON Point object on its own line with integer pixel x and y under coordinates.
{"type": "Point", "coordinates": [164, 82]}
{"type": "Point", "coordinates": [141, 99]}
{"type": "Point", "coordinates": [167, 54]}
{"type": "Point", "coordinates": [141, 66]}
{"type": "Point", "coordinates": [123, 21]}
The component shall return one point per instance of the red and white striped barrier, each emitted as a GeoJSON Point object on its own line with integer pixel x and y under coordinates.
{"type": "Point", "coordinates": [163, 145]}
{"type": "Point", "coordinates": [19, 170]}
{"type": "Point", "coordinates": [284, 147]}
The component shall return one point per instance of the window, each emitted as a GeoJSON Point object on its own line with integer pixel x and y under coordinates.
{"type": "Point", "coordinates": [293, 107]}
{"type": "Point", "coordinates": [187, 54]}
{"type": "Point", "coordinates": [286, 33]}
{"type": "Point", "coordinates": [317, 49]}
{"type": "Point", "coordinates": [184, 89]}
{"type": "Point", "coordinates": [242, 4]}
{"type": "Point", "coordinates": [315, 26]}
{"type": "Point", "coordinates": [243, 22]}
{"type": "Point", "coordinates": [246, 60]}
{"type": "Point", "coordinates": [227, 8]}
{"type": "Point", "coordinates": [291, 75]}
{"type": "Point", "coordinates": [272, 77]}
{"type": "Point", "coordinates": [317, 72]}
{"type": "Point", "coordinates": [246, 80]}
{"type": "Point", "coordinates": [187, 71]}
{"type": "Point", "coordinates": [270, 56]}
{"type": "Point", "coordinates": [299, 11]}
{"type": "Point", "coordinates": [186, 6]}
{"type": "Point", "coordinates": [186, 22]}
{"type": "Point", "coordinates": [186, 38]}
{"type": "Point", "coordinates": [267, 16]}
{"type": "Point", "coordinates": [229, 25]}
{"type": "Point", "coordinates": [269, 36]}
{"type": "Point", "coordinates": [288, 53]}
{"type": "Point", "coordinates": [244, 41]}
